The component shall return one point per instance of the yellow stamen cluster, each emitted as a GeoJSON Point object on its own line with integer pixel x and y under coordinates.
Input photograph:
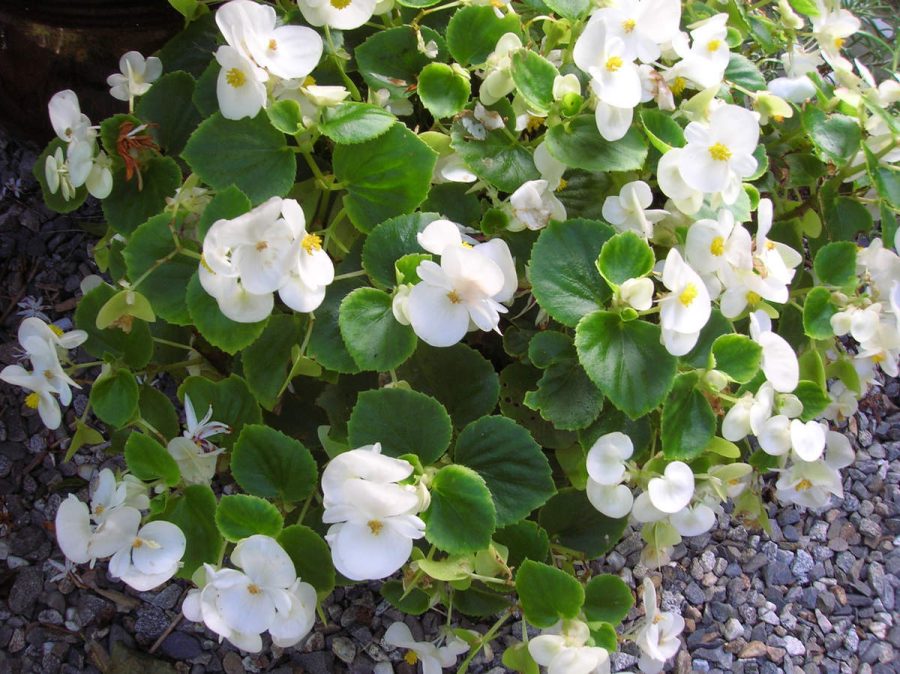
{"type": "Point", "coordinates": [678, 85]}
{"type": "Point", "coordinates": [56, 330]}
{"type": "Point", "coordinates": [563, 184]}
{"type": "Point", "coordinates": [311, 242]}
{"type": "Point", "coordinates": [688, 295]}
{"type": "Point", "coordinates": [340, 4]}
{"type": "Point", "coordinates": [235, 77]}
{"type": "Point", "coordinates": [713, 45]}
{"type": "Point", "coordinates": [628, 25]}
{"type": "Point", "coordinates": [137, 543]}
{"type": "Point", "coordinates": [839, 42]}
{"type": "Point", "coordinates": [273, 45]}
{"type": "Point", "coordinates": [309, 81]}
{"type": "Point", "coordinates": [717, 247]}
{"type": "Point", "coordinates": [454, 297]}
{"type": "Point", "coordinates": [753, 299]}
{"type": "Point", "coordinates": [261, 246]}
{"type": "Point", "coordinates": [803, 485]}
{"type": "Point", "coordinates": [411, 658]}
{"type": "Point", "coordinates": [375, 526]}
{"type": "Point", "coordinates": [720, 152]}
{"type": "Point", "coordinates": [253, 588]}
{"type": "Point", "coordinates": [32, 400]}
{"type": "Point", "coordinates": [613, 63]}
{"type": "Point", "coordinates": [533, 123]}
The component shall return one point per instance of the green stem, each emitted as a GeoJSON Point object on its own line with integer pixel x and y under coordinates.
{"type": "Point", "coordinates": [156, 265]}
{"type": "Point", "coordinates": [351, 274]}
{"type": "Point", "coordinates": [82, 366]}
{"type": "Point", "coordinates": [187, 252]}
{"type": "Point", "coordinates": [177, 345]}
{"type": "Point", "coordinates": [339, 63]}
{"type": "Point", "coordinates": [485, 640]}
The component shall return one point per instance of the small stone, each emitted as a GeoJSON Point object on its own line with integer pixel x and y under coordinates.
{"type": "Point", "coordinates": [794, 646]}
{"type": "Point", "coordinates": [181, 646]}
{"type": "Point", "coordinates": [232, 664]}
{"type": "Point", "coordinates": [754, 649]}
{"type": "Point", "coordinates": [344, 649]}
{"type": "Point", "coordinates": [25, 590]}
{"type": "Point", "coordinates": [151, 623]}
{"type": "Point", "coordinates": [733, 629]}
{"type": "Point", "coordinates": [803, 563]}
{"type": "Point", "coordinates": [869, 528]}
{"type": "Point", "coordinates": [776, 654]}
{"type": "Point", "coordinates": [778, 573]}
{"type": "Point", "coordinates": [694, 594]}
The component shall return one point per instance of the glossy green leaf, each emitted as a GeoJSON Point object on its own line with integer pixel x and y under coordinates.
{"type": "Point", "coordinates": [216, 328]}
{"type": "Point", "coordinates": [461, 517]}
{"type": "Point", "coordinates": [286, 116]}
{"type": "Point", "coordinates": [688, 421]}
{"type": "Point", "coordinates": [326, 346]}
{"type": "Point", "coordinates": [393, 55]}
{"type": "Point", "coordinates": [114, 398]}
{"type": "Point", "coordinates": [240, 516]}
{"type": "Point", "coordinates": [835, 263]}
{"type": "Point", "coordinates": [835, 137]}
{"type": "Point", "coordinates": [133, 202]}
{"type": "Point", "coordinates": [577, 143]}
{"type": "Point", "coordinates": [267, 361]}
{"type": "Point", "coordinates": [571, 521]}
{"type": "Point", "coordinates": [416, 602]}
{"type": "Point", "coordinates": [311, 557]}
{"type": "Point", "coordinates": [625, 256]}
{"type": "Point", "coordinates": [533, 76]}
{"type": "Point", "coordinates": [443, 90]}
{"type": "Point", "coordinates": [662, 131]}
{"type": "Point", "coordinates": [743, 71]}
{"type": "Point", "coordinates": [134, 347]}
{"type": "Point", "coordinates": [547, 594]}
{"type": "Point", "coordinates": [473, 32]}
{"type": "Point", "coordinates": [500, 160]}
{"type": "Point", "coordinates": [230, 399]}
{"type": "Point", "coordinates": [569, 9]}
{"type": "Point", "coordinates": [268, 463]}
{"type": "Point", "coordinates": [607, 599]}
{"type": "Point", "coordinates": [171, 123]}
{"type": "Point", "coordinates": [226, 205]}
{"type": "Point", "coordinates": [350, 123]}
{"type": "Point", "coordinates": [524, 540]}
{"type": "Point", "coordinates": [391, 240]}
{"type": "Point", "coordinates": [814, 398]}
{"type": "Point", "coordinates": [158, 411]}
{"type": "Point", "coordinates": [738, 356]}
{"type": "Point", "coordinates": [374, 338]}
{"type": "Point", "coordinates": [817, 312]}
{"type": "Point", "coordinates": [148, 460]}
{"type": "Point", "coordinates": [565, 396]}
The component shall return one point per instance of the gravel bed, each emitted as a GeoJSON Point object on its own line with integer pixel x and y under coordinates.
{"type": "Point", "coordinates": [817, 595]}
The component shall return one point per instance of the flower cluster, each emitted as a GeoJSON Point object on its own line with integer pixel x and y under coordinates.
{"type": "Point", "coordinates": [81, 164]}
{"type": "Point", "coordinates": [194, 453]}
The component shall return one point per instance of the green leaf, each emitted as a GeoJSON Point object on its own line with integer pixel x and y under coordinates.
{"type": "Point", "coordinates": [371, 333]}
{"type": "Point", "coordinates": [549, 347]}
{"type": "Point", "coordinates": [564, 276]}
{"type": "Point", "coordinates": [607, 599]}
{"type": "Point", "coordinates": [812, 368]}
{"type": "Point", "coordinates": [268, 463]}
{"type": "Point", "coordinates": [84, 435]}
{"type": "Point", "coordinates": [391, 240]}
{"type": "Point", "coordinates": [148, 460]}
{"type": "Point", "coordinates": [844, 218]}
{"type": "Point", "coordinates": [311, 557]}
{"type": "Point", "coordinates": [479, 602]}
{"type": "Point", "coordinates": [286, 116]}
{"type": "Point", "coordinates": [625, 256]}
{"type": "Point", "coordinates": [443, 90]}
{"type": "Point", "coordinates": [688, 422]}
{"type": "Point", "coordinates": [416, 602]}
{"type": "Point", "coordinates": [461, 517]}
{"type": "Point", "coordinates": [497, 158]}
{"type": "Point", "coordinates": [162, 283]}
{"type": "Point", "coordinates": [804, 170]}
{"type": "Point", "coordinates": [516, 658]}
{"type": "Point", "coordinates": [134, 347]}
{"type": "Point", "coordinates": [716, 326]}
{"type": "Point", "coordinates": [817, 312]}
{"type": "Point", "coordinates": [511, 463]}
{"type": "Point", "coordinates": [625, 360]}
{"type": "Point", "coordinates": [267, 361]}
{"type": "Point", "coordinates": [473, 32]}
{"type": "Point", "coordinates": [459, 377]}
{"type": "Point", "coordinates": [216, 328]}
{"type": "Point", "coordinates": [190, 49]}
{"type": "Point", "coordinates": [565, 396]}
{"type": "Point", "coordinates": [230, 399]}
{"type": "Point", "coordinates": [326, 346]}
{"type": "Point", "coordinates": [604, 636]}
{"type": "Point", "coordinates": [205, 98]}
{"type": "Point", "coordinates": [114, 398]}
{"type": "Point", "coordinates": [573, 522]}
{"type": "Point", "coordinates": [241, 516]}
{"type": "Point", "coordinates": [194, 511]}
{"type": "Point", "coordinates": [131, 203]}
{"type": "Point", "coordinates": [403, 421]}
{"type": "Point", "coordinates": [158, 411]}
{"type": "Point", "coordinates": [738, 356]}
{"type": "Point", "coordinates": [835, 264]}
{"type": "Point", "coordinates": [393, 54]}
{"type": "Point", "coordinates": [743, 71]}
{"type": "Point", "coordinates": [125, 303]}
{"type": "Point", "coordinates": [662, 131]}
{"type": "Point", "coordinates": [516, 380]}
{"type": "Point", "coordinates": [393, 179]}
{"type": "Point", "coordinates": [166, 107]}
{"type": "Point", "coordinates": [525, 540]}
{"type": "Point", "coordinates": [724, 448]}
{"type": "Point", "coordinates": [578, 143]}
{"type": "Point", "coordinates": [249, 153]}
{"type": "Point", "coordinates": [638, 430]}
{"type": "Point", "coordinates": [835, 138]}
{"type": "Point", "coordinates": [569, 9]}
{"type": "Point", "coordinates": [533, 76]}
{"type": "Point", "coordinates": [451, 568]}
{"type": "Point", "coordinates": [454, 202]}
{"type": "Point", "coordinates": [350, 123]}
{"type": "Point", "coordinates": [226, 205]}
{"type": "Point", "coordinates": [814, 399]}
{"type": "Point", "coordinates": [807, 7]}
{"type": "Point", "coordinates": [547, 594]}
{"type": "Point", "coordinates": [55, 201]}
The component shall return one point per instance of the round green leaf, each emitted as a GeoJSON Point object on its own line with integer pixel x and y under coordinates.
{"type": "Point", "coordinates": [533, 76]}
{"type": "Point", "coordinates": [569, 9]}
{"type": "Point", "coordinates": [443, 90]}
{"type": "Point", "coordinates": [393, 180]}
{"type": "Point", "coordinates": [479, 602]}
{"type": "Point", "coordinates": [56, 201]}
{"type": "Point", "coordinates": [241, 516]}
{"type": "Point", "coordinates": [836, 138]}
{"type": "Point", "coordinates": [454, 202]}
{"type": "Point", "coordinates": [391, 240]}
{"type": "Point", "coordinates": [496, 158]}
{"type": "Point", "coordinates": [371, 333]}
{"type": "Point", "coordinates": [459, 377]}
{"type": "Point", "coordinates": [230, 399]}
{"type": "Point", "coordinates": [813, 397]}
{"type": "Point", "coordinates": [744, 72]}
{"type": "Point", "coordinates": [564, 278]}
{"type": "Point", "coordinates": [662, 131]}
{"type": "Point", "coordinates": [286, 116]}
{"type": "Point", "coordinates": [226, 205]}
{"type": "Point", "coordinates": [817, 312]}
{"type": "Point", "coordinates": [268, 463]}
{"type": "Point", "coordinates": [148, 460]}
{"type": "Point", "coordinates": [716, 326]}
{"type": "Point", "coordinates": [578, 143]}
{"type": "Point", "coordinates": [607, 599]}
{"type": "Point", "coordinates": [473, 32]}
{"type": "Point", "coordinates": [844, 218]}
{"type": "Point", "coordinates": [216, 328]}
{"type": "Point", "coordinates": [547, 594]}
{"type": "Point", "coordinates": [565, 396]}
{"type": "Point", "coordinates": [512, 464]}
{"type": "Point", "coordinates": [549, 347]}
{"type": "Point", "coordinates": [416, 602]}
{"type": "Point", "coordinates": [403, 421]}
{"type": "Point", "coordinates": [625, 360]}
{"type": "Point", "coordinates": [132, 203]}
{"type": "Point", "coordinates": [516, 380]}
{"type": "Point", "coordinates": [167, 109]}
{"type": "Point", "coordinates": [350, 123]}
{"type": "Point", "coordinates": [688, 422]}
{"type": "Point", "coordinates": [194, 512]}
{"type": "Point", "coordinates": [134, 347]}
{"type": "Point", "coordinates": [326, 346]}
{"type": "Point", "coordinates": [267, 362]}
{"type": "Point", "coordinates": [158, 411]}
{"type": "Point", "coordinates": [525, 540]}
{"type": "Point", "coordinates": [311, 557]}
{"type": "Point", "coordinates": [163, 283]}
{"type": "Point", "coordinates": [835, 263]}
{"type": "Point", "coordinates": [393, 54]}
{"type": "Point", "coordinates": [461, 516]}
{"type": "Point", "coordinates": [249, 153]}
{"type": "Point", "coordinates": [571, 521]}
{"type": "Point", "coordinates": [625, 256]}
{"type": "Point", "coordinates": [738, 356]}
{"type": "Point", "coordinates": [114, 398]}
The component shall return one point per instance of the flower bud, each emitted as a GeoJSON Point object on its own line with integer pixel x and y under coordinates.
{"type": "Point", "coordinates": [571, 103]}
{"type": "Point", "coordinates": [789, 17]}
{"type": "Point", "coordinates": [716, 380]}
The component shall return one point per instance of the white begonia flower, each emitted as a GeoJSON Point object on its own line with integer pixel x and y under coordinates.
{"type": "Point", "coordinates": [714, 245]}
{"type": "Point", "coordinates": [288, 52]}
{"type": "Point", "coordinates": [628, 211]}
{"type": "Point", "coordinates": [693, 520]}
{"type": "Point", "coordinates": [657, 637]}
{"type": "Point", "coordinates": [195, 455]}
{"type": "Point", "coordinates": [340, 14]}
{"type": "Point", "coordinates": [674, 490]}
{"type": "Point", "coordinates": [562, 649]}
{"type": "Point", "coordinates": [643, 25]}
{"type": "Point", "coordinates": [297, 621]}
{"type": "Point", "coordinates": [564, 85]}
{"type": "Point", "coordinates": [533, 205]}
{"type": "Point", "coordinates": [41, 397]}
{"type": "Point", "coordinates": [636, 293]}
{"type": "Point", "coordinates": [498, 81]}
{"type": "Point", "coordinates": [779, 362]}
{"type": "Point", "coordinates": [807, 439]}
{"type": "Point", "coordinates": [136, 76]}
{"type": "Point", "coordinates": [774, 435]}
{"type": "Point", "coordinates": [668, 175]}
{"type": "Point", "coordinates": [607, 456]}
{"type": "Point", "coordinates": [69, 123]}
{"type": "Point", "coordinates": [686, 309]}
{"type": "Point", "coordinates": [432, 658]}
{"type": "Point", "coordinates": [364, 463]}
{"type": "Point", "coordinates": [832, 26]}
{"type": "Point", "coordinates": [796, 86]}
{"type": "Point", "coordinates": [719, 155]}
{"type": "Point", "coordinates": [311, 271]}
{"type": "Point", "coordinates": [812, 483]}
{"type": "Point", "coordinates": [861, 323]}
{"type": "Point", "coordinates": [151, 558]}
{"type": "Point", "coordinates": [203, 605]}
{"type": "Point", "coordinates": [774, 260]}
{"type": "Point", "coordinates": [82, 542]}
{"type": "Point", "coordinates": [703, 63]}
{"type": "Point", "coordinates": [239, 90]}
{"type": "Point", "coordinates": [550, 168]}
{"type": "Point", "coordinates": [613, 500]}
{"type": "Point", "coordinates": [844, 403]}
{"type": "Point", "coordinates": [56, 172]}
{"type": "Point", "coordinates": [748, 414]}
